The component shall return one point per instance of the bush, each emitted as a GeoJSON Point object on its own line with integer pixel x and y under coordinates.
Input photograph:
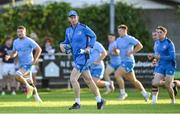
{"type": "Point", "coordinates": [51, 20]}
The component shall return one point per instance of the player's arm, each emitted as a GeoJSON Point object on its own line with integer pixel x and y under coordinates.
{"type": "Point", "coordinates": [10, 56]}
{"type": "Point", "coordinates": [66, 41]}
{"type": "Point", "coordinates": [102, 57]}
{"type": "Point", "coordinates": [37, 54]}
{"type": "Point", "coordinates": [103, 54]}
{"type": "Point", "coordinates": [91, 37]}
{"type": "Point", "coordinates": [137, 48]}
{"type": "Point", "coordinates": [172, 54]}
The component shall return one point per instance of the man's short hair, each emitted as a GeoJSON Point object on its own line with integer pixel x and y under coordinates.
{"type": "Point", "coordinates": [111, 34]}
{"type": "Point", "coordinates": [162, 29]}
{"type": "Point", "coordinates": [21, 27]}
{"type": "Point", "coordinates": [123, 26]}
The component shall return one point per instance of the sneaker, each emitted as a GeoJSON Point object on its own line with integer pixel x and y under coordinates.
{"type": "Point", "coordinates": [123, 96]}
{"type": "Point", "coordinates": [100, 105]}
{"type": "Point", "coordinates": [75, 106]}
{"type": "Point", "coordinates": [175, 88]}
{"type": "Point", "coordinates": [3, 93]}
{"type": "Point", "coordinates": [29, 92]}
{"type": "Point", "coordinates": [154, 102]}
{"type": "Point", "coordinates": [112, 86]}
{"type": "Point", "coordinates": [13, 93]}
{"type": "Point", "coordinates": [107, 92]}
{"type": "Point", "coordinates": [146, 97]}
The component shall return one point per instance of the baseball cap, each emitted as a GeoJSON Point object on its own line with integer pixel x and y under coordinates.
{"type": "Point", "coordinates": [72, 13]}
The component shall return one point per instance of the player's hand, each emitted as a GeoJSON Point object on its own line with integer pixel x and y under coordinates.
{"type": "Point", "coordinates": [87, 50]}
{"type": "Point", "coordinates": [97, 62]}
{"type": "Point", "coordinates": [7, 57]}
{"type": "Point", "coordinates": [115, 51]}
{"type": "Point", "coordinates": [150, 56]}
{"type": "Point", "coordinates": [130, 53]}
{"type": "Point", "coordinates": [62, 47]}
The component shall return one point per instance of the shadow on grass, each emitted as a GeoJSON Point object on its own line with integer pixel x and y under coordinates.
{"type": "Point", "coordinates": [118, 108]}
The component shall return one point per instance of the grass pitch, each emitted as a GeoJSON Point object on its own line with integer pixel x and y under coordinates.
{"type": "Point", "coordinates": [58, 101]}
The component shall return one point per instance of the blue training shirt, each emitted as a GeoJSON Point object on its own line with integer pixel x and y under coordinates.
{"type": "Point", "coordinates": [96, 53]}
{"type": "Point", "coordinates": [126, 44]}
{"type": "Point", "coordinates": [79, 37]}
{"type": "Point", "coordinates": [24, 48]}
{"type": "Point", "coordinates": [114, 59]}
{"type": "Point", "coordinates": [166, 50]}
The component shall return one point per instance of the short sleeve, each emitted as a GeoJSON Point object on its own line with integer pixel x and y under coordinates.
{"type": "Point", "coordinates": [133, 40]}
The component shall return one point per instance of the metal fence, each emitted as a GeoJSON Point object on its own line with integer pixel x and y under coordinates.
{"type": "Point", "coordinates": [55, 73]}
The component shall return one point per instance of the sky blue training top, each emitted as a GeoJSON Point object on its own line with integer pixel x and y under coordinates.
{"type": "Point", "coordinates": [126, 44]}
{"type": "Point", "coordinates": [96, 53]}
{"type": "Point", "coordinates": [24, 48]}
{"type": "Point", "coordinates": [79, 37]}
{"type": "Point", "coordinates": [114, 59]}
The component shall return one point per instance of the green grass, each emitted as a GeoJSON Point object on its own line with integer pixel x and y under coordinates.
{"type": "Point", "coordinates": [58, 101]}
{"type": "Point", "coordinates": [177, 75]}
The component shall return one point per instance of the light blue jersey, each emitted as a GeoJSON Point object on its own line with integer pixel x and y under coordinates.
{"type": "Point", "coordinates": [80, 37]}
{"type": "Point", "coordinates": [24, 48]}
{"type": "Point", "coordinates": [96, 53]}
{"type": "Point", "coordinates": [126, 44]}
{"type": "Point", "coordinates": [97, 70]}
{"type": "Point", "coordinates": [115, 60]}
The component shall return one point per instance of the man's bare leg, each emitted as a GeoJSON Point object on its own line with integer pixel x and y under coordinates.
{"type": "Point", "coordinates": [118, 75]}
{"type": "Point", "coordinates": [75, 74]}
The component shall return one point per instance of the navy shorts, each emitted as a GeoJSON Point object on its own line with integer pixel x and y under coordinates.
{"type": "Point", "coordinates": [165, 70]}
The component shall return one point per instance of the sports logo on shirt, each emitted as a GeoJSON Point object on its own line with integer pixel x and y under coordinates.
{"type": "Point", "coordinates": [79, 33]}
{"type": "Point", "coordinates": [164, 47]}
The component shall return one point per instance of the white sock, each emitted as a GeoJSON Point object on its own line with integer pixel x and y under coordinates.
{"type": "Point", "coordinates": [77, 100]}
{"type": "Point", "coordinates": [107, 84]}
{"type": "Point", "coordinates": [98, 99]}
{"type": "Point", "coordinates": [36, 97]}
{"type": "Point", "coordinates": [144, 93]}
{"type": "Point", "coordinates": [154, 98]}
{"type": "Point", "coordinates": [173, 101]}
{"type": "Point", "coordinates": [122, 91]}
{"type": "Point", "coordinates": [27, 84]}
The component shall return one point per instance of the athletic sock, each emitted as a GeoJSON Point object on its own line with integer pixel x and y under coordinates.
{"type": "Point", "coordinates": [77, 100]}
{"type": "Point", "coordinates": [154, 98]}
{"type": "Point", "coordinates": [144, 93]}
{"type": "Point", "coordinates": [122, 91]}
{"type": "Point", "coordinates": [98, 99]}
{"type": "Point", "coordinates": [107, 84]}
{"type": "Point", "coordinates": [154, 94]}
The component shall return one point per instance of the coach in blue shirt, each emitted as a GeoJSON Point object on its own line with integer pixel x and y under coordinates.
{"type": "Point", "coordinates": [166, 56]}
{"type": "Point", "coordinates": [79, 38]}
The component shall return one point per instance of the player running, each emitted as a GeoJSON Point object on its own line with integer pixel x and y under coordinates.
{"type": "Point", "coordinates": [164, 53]}
{"type": "Point", "coordinates": [97, 55]}
{"type": "Point", "coordinates": [22, 49]}
{"type": "Point", "coordinates": [128, 46]}
{"type": "Point", "coordinates": [80, 38]}
{"type": "Point", "coordinates": [113, 64]}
